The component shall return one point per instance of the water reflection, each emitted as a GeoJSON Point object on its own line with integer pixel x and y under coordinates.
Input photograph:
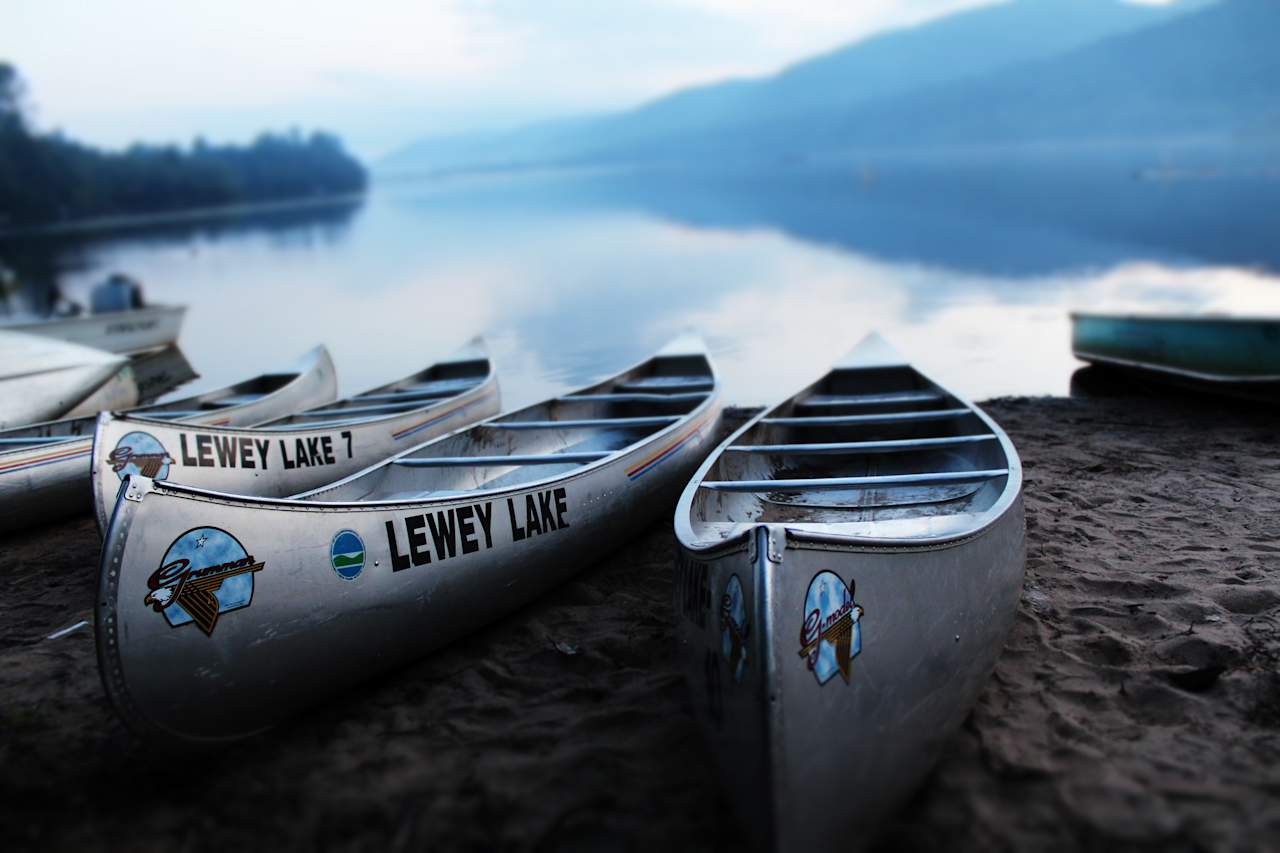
{"type": "Point", "coordinates": [572, 277]}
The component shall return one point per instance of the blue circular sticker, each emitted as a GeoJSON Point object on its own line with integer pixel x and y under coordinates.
{"type": "Point", "coordinates": [140, 453]}
{"type": "Point", "coordinates": [346, 555]}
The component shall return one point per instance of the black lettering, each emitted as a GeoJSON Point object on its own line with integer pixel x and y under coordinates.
{"type": "Point", "coordinates": [246, 453]}
{"type": "Point", "coordinates": [327, 444]}
{"type": "Point", "coordinates": [484, 512]}
{"type": "Point", "coordinates": [443, 535]}
{"type": "Point", "coordinates": [531, 516]}
{"type": "Point", "coordinates": [399, 562]}
{"type": "Point", "coordinates": [187, 458]}
{"type": "Point", "coordinates": [544, 509]}
{"type": "Point", "coordinates": [562, 506]}
{"type": "Point", "coordinates": [226, 447]}
{"type": "Point", "coordinates": [300, 457]}
{"type": "Point", "coordinates": [204, 450]}
{"type": "Point", "coordinates": [467, 530]}
{"type": "Point", "coordinates": [263, 446]}
{"type": "Point", "coordinates": [313, 451]}
{"type": "Point", "coordinates": [517, 532]}
{"type": "Point", "coordinates": [417, 540]}
{"type": "Point", "coordinates": [346, 433]}
{"type": "Point", "coordinates": [284, 455]}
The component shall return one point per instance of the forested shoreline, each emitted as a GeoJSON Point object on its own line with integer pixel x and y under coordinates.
{"type": "Point", "coordinates": [46, 178]}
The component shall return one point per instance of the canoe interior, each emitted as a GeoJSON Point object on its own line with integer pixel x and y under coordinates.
{"type": "Point", "coordinates": [547, 439]}
{"type": "Point", "coordinates": [422, 389]}
{"type": "Point", "coordinates": [878, 451]}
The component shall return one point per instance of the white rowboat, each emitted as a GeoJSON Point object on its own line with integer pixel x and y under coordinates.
{"type": "Point", "coordinates": [42, 378]}
{"type": "Point", "coordinates": [113, 331]}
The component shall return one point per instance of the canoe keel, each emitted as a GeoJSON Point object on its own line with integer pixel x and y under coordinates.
{"type": "Point", "coordinates": [896, 641]}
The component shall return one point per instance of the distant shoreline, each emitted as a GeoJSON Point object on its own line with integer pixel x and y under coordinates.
{"type": "Point", "coordinates": [141, 220]}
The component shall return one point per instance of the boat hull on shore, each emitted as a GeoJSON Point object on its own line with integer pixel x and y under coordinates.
{"type": "Point", "coordinates": [42, 378]}
{"type": "Point", "coordinates": [113, 331]}
{"type": "Point", "coordinates": [850, 565]}
{"type": "Point", "coordinates": [1238, 357]}
{"type": "Point", "coordinates": [295, 600]}
{"type": "Point", "coordinates": [301, 451]}
{"type": "Point", "coordinates": [45, 468]}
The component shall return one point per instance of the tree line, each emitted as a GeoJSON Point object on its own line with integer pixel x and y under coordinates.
{"type": "Point", "coordinates": [46, 177]}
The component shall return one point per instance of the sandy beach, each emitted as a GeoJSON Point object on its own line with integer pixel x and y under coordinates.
{"type": "Point", "coordinates": [1136, 704]}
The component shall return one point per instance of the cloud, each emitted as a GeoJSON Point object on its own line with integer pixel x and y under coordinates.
{"type": "Point", "coordinates": [384, 70]}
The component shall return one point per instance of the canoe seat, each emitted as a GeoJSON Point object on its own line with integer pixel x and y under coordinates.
{"type": "Point", "coordinates": [667, 383]}
{"type": "Point", "coordinates": [855, 448]}
{"type": "Point", "coordinates": [880, 418]}
{"type": "Point", "coordinates": [819, 401]}
{"type": "Point", "coordinates": [478, 461]}
{"type": "Point", "coordinates": [843, 483]}
{"type": "Point", "coordinates": [636, 397]}
{"type": "Point", "coordinates": [589, 423]}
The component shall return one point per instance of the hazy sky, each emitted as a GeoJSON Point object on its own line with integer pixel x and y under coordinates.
{"type": "Point", "coordinates": [385, 72]}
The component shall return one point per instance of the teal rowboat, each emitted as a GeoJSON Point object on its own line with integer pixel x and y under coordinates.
{"type": "Point", "coordinates": [1228, 355]}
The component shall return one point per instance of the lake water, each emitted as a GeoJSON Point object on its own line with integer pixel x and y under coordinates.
{"type": "Point", "coordinates": [970, 271]}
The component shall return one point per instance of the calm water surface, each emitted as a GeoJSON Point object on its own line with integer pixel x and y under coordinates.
{"type": "Point", "coordinates": [571, 277]}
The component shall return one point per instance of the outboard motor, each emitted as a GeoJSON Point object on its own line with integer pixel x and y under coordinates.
{"type": "Point", "coordinates": [118, 293]}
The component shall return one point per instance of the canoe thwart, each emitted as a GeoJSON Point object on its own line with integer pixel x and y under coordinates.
{"type": "Point", "coordinates": [832, 400]}
{"type": "Point", "coordinates": [842, 483]}
{"type": "Point", "coordinates": [513, 459]}
{"type": "Point", "coordinates": [636, 397]}
{"type": "Point", "coordinates": [882, 418]}
{"type": "Point", "coordinates": [583, 424]}
{"type": "Point", "coordinates": [853, 448]}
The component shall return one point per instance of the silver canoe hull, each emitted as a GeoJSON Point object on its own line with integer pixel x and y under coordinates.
{"type": "Point", "coordinates": [805, 762]}
{"type": "Point", "coordinates": [269, 461]}
{"type": "Point", "coordinates": [850, 565]}
{"type": "Point", "coordinates": [44, 481]}
{"type": "Point", "coordinates": [315, 597]}
{"type": "Point", "coordinates": [117, 331]}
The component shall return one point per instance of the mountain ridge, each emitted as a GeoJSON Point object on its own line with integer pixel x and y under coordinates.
{"type": "Point", "coordinates": [901, 100]}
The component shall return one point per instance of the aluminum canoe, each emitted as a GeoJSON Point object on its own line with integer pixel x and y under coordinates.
{"type": "Point", "coordinates": [115, 331]}
{"type": "Point", "coordinates": [220, 615]}
{"type": "Point", "coordinates": [45, 467]}
{"type": "Point", "coordinates": [296, 452]}
{"type": "Point", "coordinates": [850, 564]}
{"type": "Point", "coordinates": [1234, 356]}
{"type": "Point", "coordinates": [41, 378]}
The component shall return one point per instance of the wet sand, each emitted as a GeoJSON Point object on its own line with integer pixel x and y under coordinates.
{"type": "Point", "coordinates": [1136, 704]}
